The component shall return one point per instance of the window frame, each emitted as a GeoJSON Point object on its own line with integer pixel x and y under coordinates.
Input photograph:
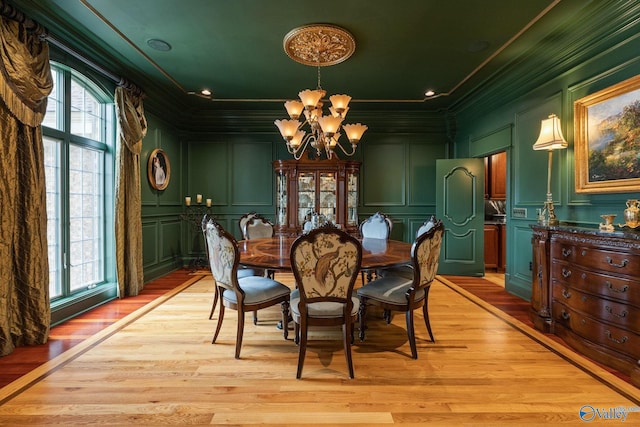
{"type": "Point", "coordinates": [74, 303]}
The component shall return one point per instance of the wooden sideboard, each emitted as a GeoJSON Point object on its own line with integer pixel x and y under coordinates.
{"type": "Point", "coordinates": [586, 290]}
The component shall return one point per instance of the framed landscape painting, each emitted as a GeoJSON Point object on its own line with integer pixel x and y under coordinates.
{"type": "Point", "coordinates": [607, 139]}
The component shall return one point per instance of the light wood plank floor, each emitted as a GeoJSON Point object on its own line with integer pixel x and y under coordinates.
{"type": "Point", "coordinates": [158, 367]}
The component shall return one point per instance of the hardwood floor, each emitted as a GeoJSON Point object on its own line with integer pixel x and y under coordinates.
{"type": "Point", "coordinates": [74, 331]}
{"type": "Point", "coordinates": [157, 366]}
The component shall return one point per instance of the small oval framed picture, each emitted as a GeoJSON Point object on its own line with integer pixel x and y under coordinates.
{"type": "Point", "coordinates": [158, 169]}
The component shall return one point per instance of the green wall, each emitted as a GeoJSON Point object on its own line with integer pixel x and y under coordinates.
{"type": "Point", "coordinates": [234, 169]}
{"type": "Point", "coordinates": [227, 157]}
{"type": "Point", "coordinates": [599, 49]}
{"type": "Point", "coordinates": [162, 230]}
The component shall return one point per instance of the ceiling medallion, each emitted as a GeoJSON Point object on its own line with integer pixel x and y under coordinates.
{"type": "Point", "coordinates": [319, 44]}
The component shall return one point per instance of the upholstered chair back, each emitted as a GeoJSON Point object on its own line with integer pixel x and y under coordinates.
{"type": "Point", "coordinates": [377, 226]}
{"type": "Point", "coordinates": [426, 226]}
{"type": "Point", "coordinates": [425, 254]}
{"type": "Point", "coordinates": [224, 255]}
{"type": "Point", "coordinates": [242, 222]}
{"type": "Point", "coordinates": [325, 263]}
{"type": "Point", "coordinates": [257, 228]}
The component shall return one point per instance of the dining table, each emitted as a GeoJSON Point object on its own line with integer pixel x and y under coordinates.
{"type": "Point", "coordinates": [274, 253]}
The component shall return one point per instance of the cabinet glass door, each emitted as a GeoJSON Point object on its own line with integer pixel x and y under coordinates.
{"type": "Point", "coordinates": [327, 199]}
{"type": "Point", "coordinates": [352, 199]}
{"type": "Point", "coordinates": [306, 196]}
{"type": "Point", "coordinates": [281, 198]}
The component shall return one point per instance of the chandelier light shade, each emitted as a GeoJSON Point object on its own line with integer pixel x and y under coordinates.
{"type": "Point", "coordinates": [318, 45]}
{"type": "Point", "coordinates": [550, 139]}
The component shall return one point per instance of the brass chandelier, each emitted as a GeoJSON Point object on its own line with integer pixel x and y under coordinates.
{"type": "Point", "coordinates": [318, 45]}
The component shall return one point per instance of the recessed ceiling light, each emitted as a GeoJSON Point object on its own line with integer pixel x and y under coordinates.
{"type": "Point", "coordinates": [205, 92]}
{"type": "Point", "coordinates": [429, 93]}
{"type": "Point", "coordinates": [158, 44]}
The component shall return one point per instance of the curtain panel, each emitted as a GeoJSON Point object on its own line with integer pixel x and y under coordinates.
{"type": "Point", "coordinates": [25, 83]}
{"type": "Point", "coordinates": [132, 128]}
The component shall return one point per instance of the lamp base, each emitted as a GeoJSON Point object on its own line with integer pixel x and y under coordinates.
{"type": "Point", "coordinates": [547, 215]}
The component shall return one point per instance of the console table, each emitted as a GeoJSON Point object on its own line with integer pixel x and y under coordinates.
{"type": "Point", "coordinates": [586, 290]}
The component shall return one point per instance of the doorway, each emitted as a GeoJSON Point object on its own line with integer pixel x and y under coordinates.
{"type": "Point", "coordinates": [495, 225]}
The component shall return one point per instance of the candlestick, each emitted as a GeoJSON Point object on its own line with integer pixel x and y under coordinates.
{"type": "Point", "coordinates": [208, 203]}
{"type": "Point", "coordinates": [199, 198]}
{"type": "Point", "coordinates": [187, 201]}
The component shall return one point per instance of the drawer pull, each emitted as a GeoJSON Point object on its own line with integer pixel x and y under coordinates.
{"type": "Point", "coordinates": [566, 273]}
{"type": "Point", "coordinates": [566, 294]}
{"type": "Point", "coordinates": [621, 265]}
{"type": "Point", "coordinates": [566, 252]}
{"type": "Point", "coordinates": [617, 341]}
{"type": "Point", "coordinates": [610, 311]}
{"type": "Point", "coordinates": [565, 315]}
{"type": "Point", "coordinates": [620, 290]}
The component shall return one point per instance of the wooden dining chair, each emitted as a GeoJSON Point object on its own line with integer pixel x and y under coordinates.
{"type": "Point", "coordinates": [398, 293]}
{"type": "Point", "coordinates": [246, 294]}
{"type": "Point", "coordinates": [407, 270]}
{"type": "Point", "coordinates": [377, 226]}
{"type": "Point", "coordinates": [242, 272]}
{"type": "Point", "coordinates": [325, 264]}
{"type": "Point", "coordinates": [243, 221]}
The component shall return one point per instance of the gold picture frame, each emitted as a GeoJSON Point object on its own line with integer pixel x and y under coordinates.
{"type": "Point", "coordinates": [159, 169]}
{"type": "Point", "coordinates": [607, 139]}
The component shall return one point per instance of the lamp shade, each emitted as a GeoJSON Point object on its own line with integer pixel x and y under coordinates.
{"type": "Point", "coordinates": [294, 108]}
{"type": "Point", "coordinates": [288, 128]}
{"type": "Point", "coordinates": [354, 132]}
{"type": "Point", "coordinates": [329, 124]}
{"type": "Point", "coordinates": [297, 139]}
{"type": "Point", "coordinates": [310, 98]}
{"type": "Point", "coordinates": [550, 135]}
{"type": "Point", "coordinates": [340, 102]}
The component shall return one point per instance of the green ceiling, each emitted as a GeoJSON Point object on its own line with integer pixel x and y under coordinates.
{"type": "Point", "coordinates": [235, 47]}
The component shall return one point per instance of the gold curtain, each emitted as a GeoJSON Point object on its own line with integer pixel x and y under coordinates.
{"type": "Point", "coordinates": [25, 83]}
{"type": "Point", "coordinates": [132, 129]}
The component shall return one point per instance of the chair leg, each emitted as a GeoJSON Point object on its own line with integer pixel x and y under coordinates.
{"type": "Point", "coordinates": [220, 317]}
{"type": "Point", "coordinates": [363, 317]}
{"type": "Point", "coordinates": [411, 334]}
{"type": "Point", "coordinates": [239, 332]}
{"type": "Point", "coordinates": [302, 350]}
{"type": "Point", "coordinates": [215, 301]}
{"type": "Point", "coordinates": [285, 319]}
{"type": "Point", "coordinates": [347, 337]}
{"type": "Point", "coordinates": [255, 317]}
{"type": "Point", "coordinates": [296, 333]}
{"type": "Point", "coordinates": [425, 311]}
{"type": "Point", "coordinates": [386, 315]}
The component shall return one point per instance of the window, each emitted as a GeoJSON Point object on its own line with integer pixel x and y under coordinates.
{"type": "Point", "coordinates": [78, 135]}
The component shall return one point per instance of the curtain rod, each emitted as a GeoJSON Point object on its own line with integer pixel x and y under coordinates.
{"type": "Point", "coordinates": [9, 11]}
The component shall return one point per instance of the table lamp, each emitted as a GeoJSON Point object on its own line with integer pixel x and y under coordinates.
{"type": "Point", "coordinates": [550, 139]}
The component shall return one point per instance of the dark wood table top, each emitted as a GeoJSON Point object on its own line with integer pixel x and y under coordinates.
{"type": "Point", "coordinates": [273, 253]}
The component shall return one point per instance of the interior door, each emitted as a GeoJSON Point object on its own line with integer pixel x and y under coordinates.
{"type": "Point", "coordinates": [460, 206]}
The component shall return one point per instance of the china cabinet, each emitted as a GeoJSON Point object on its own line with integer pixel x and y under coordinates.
{"type": "Point", "coordinates": [315, 191]}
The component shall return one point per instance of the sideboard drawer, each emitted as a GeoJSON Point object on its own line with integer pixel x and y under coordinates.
{"type": "Point", "coordinates": [597, 259]}
{"type": "Point", "coordinates": [586, 289]}
{"type": "Point", "coordinates": [608, 286]}
{"type": "Point", "coordinates": [619, 314]}
{"type": "Point", "coordinates": [618, 339]}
